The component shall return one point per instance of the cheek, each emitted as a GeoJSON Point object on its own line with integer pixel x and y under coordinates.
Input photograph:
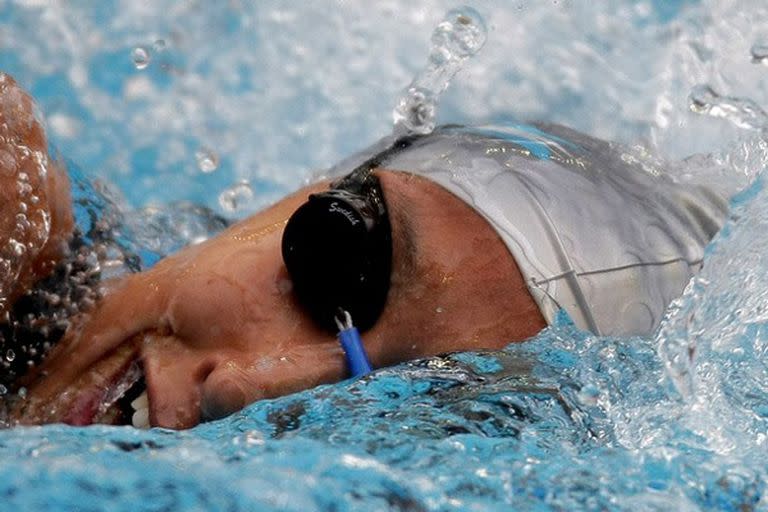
{"type": "Point", "coordinates": [228, 293]}
{"type": "Point", "coordinates": [203, 307]}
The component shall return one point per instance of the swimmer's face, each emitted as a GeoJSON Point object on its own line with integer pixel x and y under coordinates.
{"type": "Point", "coordinates": [217, 326]}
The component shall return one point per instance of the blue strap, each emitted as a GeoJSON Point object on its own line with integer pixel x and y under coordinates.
{"type": "Point", "coordinates": [354, 351]}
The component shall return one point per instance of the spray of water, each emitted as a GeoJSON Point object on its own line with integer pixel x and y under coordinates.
{"type": "Point", "coordinates": [459, 36]}
{"type": "Point", "coordinates": [702, 320]}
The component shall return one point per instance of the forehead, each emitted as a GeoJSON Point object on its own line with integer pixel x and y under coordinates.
{"type": "Point", "coordinates": [430, 225]}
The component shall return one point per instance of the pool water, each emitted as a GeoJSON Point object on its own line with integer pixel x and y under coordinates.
{"type": "Point", "coordinates": [231, 105]}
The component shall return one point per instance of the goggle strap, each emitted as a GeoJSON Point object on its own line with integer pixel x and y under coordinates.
{"type": "Point", "coordinates": [356, 358]}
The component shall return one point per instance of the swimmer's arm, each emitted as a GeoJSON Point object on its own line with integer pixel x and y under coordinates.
{"type": "Point", "coordinates": [35, 208]}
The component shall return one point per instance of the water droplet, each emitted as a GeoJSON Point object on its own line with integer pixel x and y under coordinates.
{"type": "Point", "coordinates": [10, 355]}
{"type": "Point", "coordinates": [460, 35]}
{"type": "Point", "coordinates": [759, 53]}
{"type": "Point", "coordinates": [416, 110]}
{"type": "Point", "coordinates": [141, 57]}
{"type": "Point", "coordinates": [235, 197]}
{"type": "Point", "coordinates": [159, 45]}
{"type": "Point", "coordinates": [207, 160]}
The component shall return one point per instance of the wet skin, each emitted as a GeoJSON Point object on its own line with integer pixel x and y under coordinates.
{"type": "Point", "coordinates": [35, 215]}
{"type": "Point", "coordinates": [216, 326]}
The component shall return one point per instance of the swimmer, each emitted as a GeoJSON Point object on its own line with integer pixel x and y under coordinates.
{"type": "Point", "coordinates": [464, 239]}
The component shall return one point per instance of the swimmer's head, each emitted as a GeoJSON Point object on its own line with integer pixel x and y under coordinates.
{"type": "Point", "coordinates": [218, 325]}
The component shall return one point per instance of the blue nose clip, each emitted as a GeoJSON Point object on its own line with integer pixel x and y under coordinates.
{"type": "Point", "coordinates": [354, 351]}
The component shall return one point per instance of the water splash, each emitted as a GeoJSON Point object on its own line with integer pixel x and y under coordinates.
{"type": "Point", "coordinates": [712, 342]}
{"type": "Point", "coordinates": [741, 112]}
{"type": "Point", "coordinates": [678, 341]}
{"type": "Point", "coordinates": [168, 228]}
{"type": "Point", "coordinates": [460, 35]}
{"type": "Point", "coordinates": [687, 330]}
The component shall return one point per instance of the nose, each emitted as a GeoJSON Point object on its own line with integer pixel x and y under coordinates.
{"type": "Point", "coordinates": [175, 374]}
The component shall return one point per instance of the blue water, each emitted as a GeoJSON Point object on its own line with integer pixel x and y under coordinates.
{"type": "Point", "coordinates": [271, 92]}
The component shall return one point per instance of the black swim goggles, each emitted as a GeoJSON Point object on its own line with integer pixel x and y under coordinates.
{"type": "Point", "coordinates": [338, 248]}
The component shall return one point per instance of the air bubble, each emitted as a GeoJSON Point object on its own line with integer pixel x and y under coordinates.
{"type": "Point", "coordinates": [3, 390]}
{"type": "Point", "coordinates": [10, 355]}
{"type": "Point", "coordinates": [207, 160]}
{"type": "Point", "coordinates": [141, 57]}
{"type": "Point", "coordinates": [235, 197]}
{"type": "Point", "coordinates": [759, 53]}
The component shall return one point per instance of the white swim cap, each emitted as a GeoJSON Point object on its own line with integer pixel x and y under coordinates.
{"type": "Point", "coordinates": [601, 239]}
